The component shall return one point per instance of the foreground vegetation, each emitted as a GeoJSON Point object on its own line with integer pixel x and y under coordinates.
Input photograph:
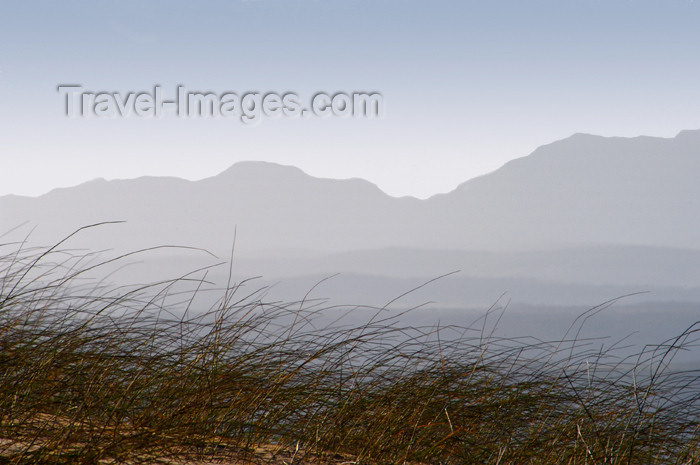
{"type": "Point", "coordinates": [97, 374]}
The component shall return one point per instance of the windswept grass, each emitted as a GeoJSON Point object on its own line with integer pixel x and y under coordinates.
{"type": "Point", "coordinates": [97, 374]}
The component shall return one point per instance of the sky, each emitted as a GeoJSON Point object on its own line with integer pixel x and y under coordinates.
{"type": "Point", "coordinates": [466, 84]}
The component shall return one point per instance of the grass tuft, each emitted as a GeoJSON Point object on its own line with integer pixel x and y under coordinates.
{"type": "Point", "coordinates": [91, 373]}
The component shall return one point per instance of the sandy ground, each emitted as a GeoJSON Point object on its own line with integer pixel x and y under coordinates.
{"type": "Point", "coordinates": [262, 455]}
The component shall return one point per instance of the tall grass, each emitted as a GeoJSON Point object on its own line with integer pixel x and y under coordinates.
{"type": "Point", "coordinates": [91, 373]}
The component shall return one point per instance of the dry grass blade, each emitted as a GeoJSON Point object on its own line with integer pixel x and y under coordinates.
{"type": "Point", "coordinates": [95, 374]}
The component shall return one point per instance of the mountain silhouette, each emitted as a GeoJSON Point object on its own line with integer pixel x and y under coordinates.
{"type": "Point", "coordinates": [581, 191]}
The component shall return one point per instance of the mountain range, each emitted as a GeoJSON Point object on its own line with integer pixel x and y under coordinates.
{"type": "Point", "coordinates": [586, 210]}
{"type": "Point", "coordinates": [581, 191]}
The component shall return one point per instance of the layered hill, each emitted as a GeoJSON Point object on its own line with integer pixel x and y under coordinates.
{"type": "Point", "coordinates": [581, 191]}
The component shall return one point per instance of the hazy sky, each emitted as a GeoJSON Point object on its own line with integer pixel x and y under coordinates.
{"type": "Point", "coordinates": [467, 85]}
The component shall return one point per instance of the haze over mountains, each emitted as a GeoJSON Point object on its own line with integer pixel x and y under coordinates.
{"type": "Point", "coordinates": [585, 190]}
{"type": "Point", "coordinates": [577, 221]}
{"type": "Point", "coordinates": [581, 191]}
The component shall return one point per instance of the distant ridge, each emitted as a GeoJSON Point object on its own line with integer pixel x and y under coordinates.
{"type": "Point", "coordinates": [584, 190]}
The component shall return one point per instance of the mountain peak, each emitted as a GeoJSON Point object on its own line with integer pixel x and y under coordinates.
{"type": "Point", "coordinates": [260, 169]}
{"type": "Point", "coordinates": [246, 173]}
